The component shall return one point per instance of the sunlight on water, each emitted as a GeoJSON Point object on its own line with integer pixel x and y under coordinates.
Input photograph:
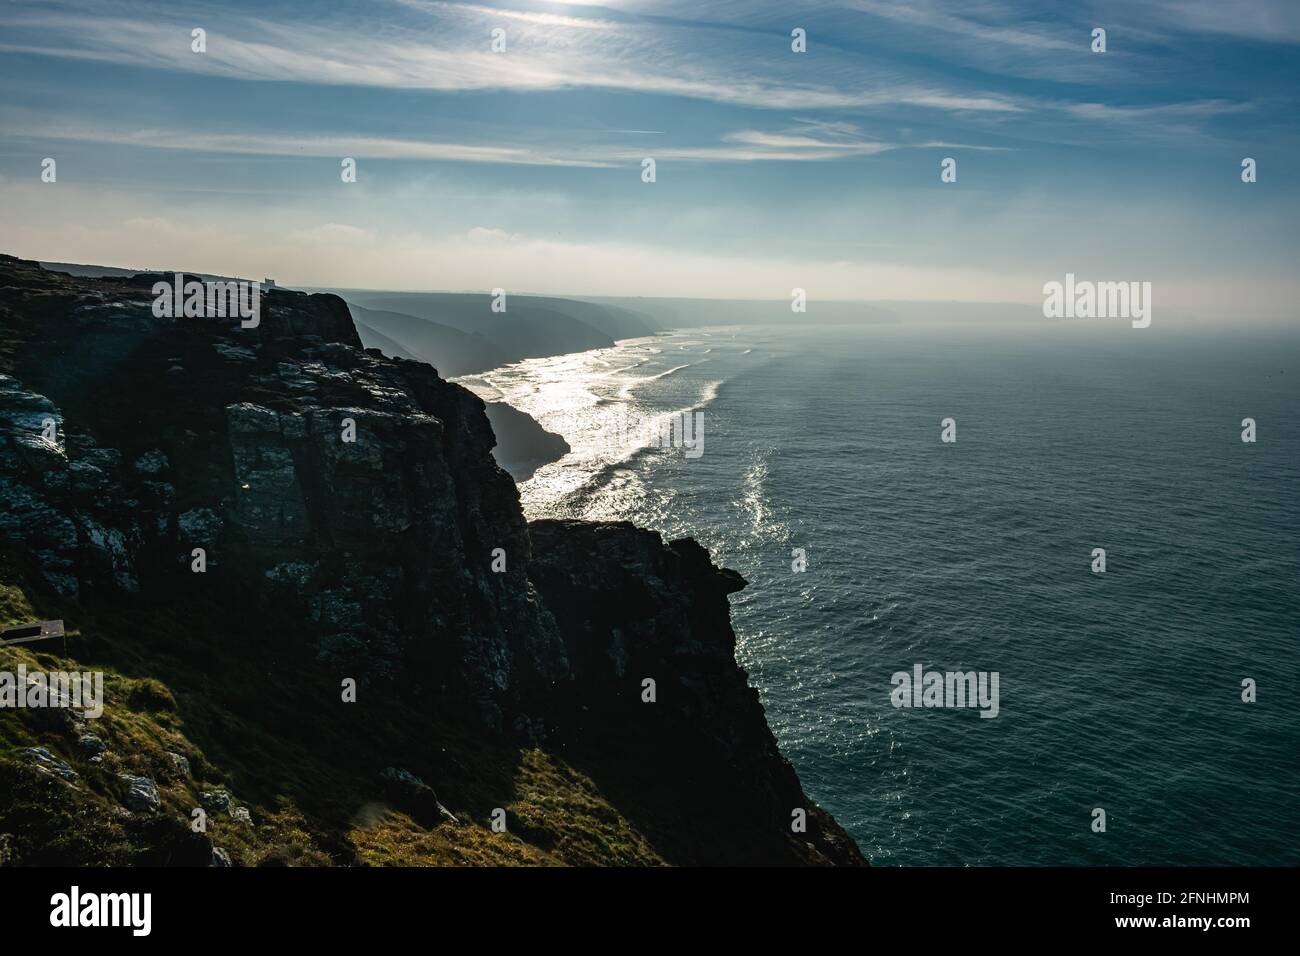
{"type": "Point", "coordinates": [969, 556]}
{"type": "Point", "coordinates": [599, 401]}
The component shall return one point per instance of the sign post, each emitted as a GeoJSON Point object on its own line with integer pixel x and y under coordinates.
{"type": "Point", "coordinates": [27, 633]}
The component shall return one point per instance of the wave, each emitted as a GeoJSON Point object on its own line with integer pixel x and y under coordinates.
{"type": "Point", "coordinates": [651, 378]}
{"type": "Point", "coordinates": [482, 386]}
{"type": "Point", "coordinates": [615, 467]}
{"type": "Point", "coordinates": [626, 390]}
{"type": "Point", "coordinates": [595, 401]}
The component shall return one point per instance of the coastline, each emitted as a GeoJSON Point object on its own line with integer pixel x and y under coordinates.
{"type": "Point", "coordinates": [524, 445]}
{"type": "Point", "coordinates": [503, 661]}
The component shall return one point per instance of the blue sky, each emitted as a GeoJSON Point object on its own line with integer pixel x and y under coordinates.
{"type": "Point", "coordinates": [775, 169]}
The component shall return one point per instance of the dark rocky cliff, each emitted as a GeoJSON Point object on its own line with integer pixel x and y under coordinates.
{"type": "Point", "coordinates": [378, 560]}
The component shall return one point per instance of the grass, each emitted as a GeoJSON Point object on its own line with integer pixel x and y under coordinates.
{"type": "Point", "coordinates": [200, 682]}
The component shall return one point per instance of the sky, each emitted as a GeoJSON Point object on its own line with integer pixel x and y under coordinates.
{"type": "Point", "coordinates": [774, 169]}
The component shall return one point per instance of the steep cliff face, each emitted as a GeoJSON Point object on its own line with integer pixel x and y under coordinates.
{"type": "Point", "coordinates": [307, 471]}
{"type": "Point", "coordinates": [647, 629]}
{"type": "Point", "coordinates": [347, 511]}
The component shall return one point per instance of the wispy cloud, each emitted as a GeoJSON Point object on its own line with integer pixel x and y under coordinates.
{"type": "Point", "coordinates": [1159, 112]}
{"type": "Point", "coordinates": [740, 146]}
{"type": "Point", "coordinates": [333, 146]}
{"type": "Point", "coordinates": [453, 54]}
{"type": "Point", "coordinates": [527, 162]}
{"type": "Point", "coordinates": [1250, 19]}
{"type": "Point", "coordinates": [949, 18]}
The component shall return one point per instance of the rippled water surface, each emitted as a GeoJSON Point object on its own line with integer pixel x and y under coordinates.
{"type": "Point", "coordinates": [1119, 690]}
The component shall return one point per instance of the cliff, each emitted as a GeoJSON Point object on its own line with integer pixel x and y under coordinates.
{"type": "Point", "coordinates": [460, 333]}
{"type": "Point", "coordinates": [238, 524]}
{"type": "Point", "coordinates": [523, 445]}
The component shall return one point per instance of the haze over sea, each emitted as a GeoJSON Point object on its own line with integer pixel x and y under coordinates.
{"type": "Point", "coordinates": [1119, 690]}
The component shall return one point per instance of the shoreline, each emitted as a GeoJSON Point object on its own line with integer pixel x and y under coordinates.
{"type": "Point", "coordinates": [524, 445]}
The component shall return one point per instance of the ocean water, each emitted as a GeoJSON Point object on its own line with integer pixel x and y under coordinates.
{"type": "Point", "coordinates": [1119, 691]}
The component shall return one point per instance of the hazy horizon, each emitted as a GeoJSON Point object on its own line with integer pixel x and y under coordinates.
{"type": "Point", "coordinates": [1017, 312]}
{"type": "Point", "coordinates": [775, 169]}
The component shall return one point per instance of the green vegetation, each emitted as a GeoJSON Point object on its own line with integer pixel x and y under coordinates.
{"type": "Point", "coordinates": [280, 741]}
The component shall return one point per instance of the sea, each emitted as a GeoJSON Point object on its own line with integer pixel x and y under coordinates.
{"type": "Point", "coordinates": [1162, 690]}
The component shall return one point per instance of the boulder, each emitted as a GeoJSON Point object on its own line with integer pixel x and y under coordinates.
{"type": "Point", "coordinates": [414, 797]}
{"type": "Point", "coordinates": [47, 763]}
{"type": "Point", "coordinates": [141, 794]}
{"type": "Point", "coordinates": [215, 801]}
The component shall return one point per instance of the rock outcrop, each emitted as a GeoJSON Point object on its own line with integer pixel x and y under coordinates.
{"type": "Point", "coordinates": [305, 470]}
{"type": "Point", "coordinates": [647, 632]}
{"type": "Point", "coordinates": [523, 445]}
{"type": "Point", "coordinates": [285, 468]}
